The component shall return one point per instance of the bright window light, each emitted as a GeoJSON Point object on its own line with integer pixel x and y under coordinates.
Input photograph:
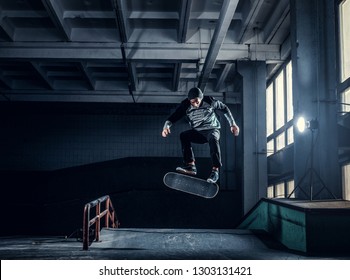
{"type": "Point", "coordinates": [279, 101]}
{"type": "Point", "coordinates": [280, 141]}
{"type": "Point", "coordinates": [346, 181]}
{"type": "Point", "coordinates": [344, 39]}
{"type": "Point", "coordinates": [280, 192]}
{"type": "Point", "coordinates": [290, 188]}
{"type": "Point", "coordinates": [290, 136]}
{"type": "Point", "coordinates": [270, 191]}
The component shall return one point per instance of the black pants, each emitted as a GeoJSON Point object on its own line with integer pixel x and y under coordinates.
{"type": "Point", "coordinates": [211, 136]}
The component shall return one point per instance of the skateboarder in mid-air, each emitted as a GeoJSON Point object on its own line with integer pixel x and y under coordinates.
{"type": "Point", "coordinates": [205, 128]}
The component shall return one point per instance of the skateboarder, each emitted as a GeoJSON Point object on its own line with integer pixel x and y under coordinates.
{"type": "Point", "coordinates": [205, 128]}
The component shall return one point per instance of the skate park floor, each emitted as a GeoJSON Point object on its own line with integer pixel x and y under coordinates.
{"type": "Point", "coordinates": [156, 244]}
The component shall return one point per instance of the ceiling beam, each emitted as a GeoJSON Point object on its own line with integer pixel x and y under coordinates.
{"type": "Point", "coordinates": [251, 10]}
{"type": "Point", "coordinates": [185, 12]}
{"type": "Point", "coordinates": [23, 14]}
{"type": "Point", "coordinates": [89, 14]}
{"type": "Point", "coordinates": [121, 20]}
{"type": "Point", "coordinates": [153, 15]}
{"type": "Point", "coordinates": [176, 76]}
{"type": "Point", "coordinates": [5, 80]}
{"type": "Point", "coordinates": [55, 11]}
{"type": "Point", "coordinates": [98, 96]}
{"type": "Point", "coordinates": [227, 11]}
{"type": "Point", "coordinates": [49, 82]}
{"type": "Point", "coordinates": [122, 23]}
{"type": "Point", "coordinates": [147, 53]}
{"type": "Point", "coordinates": [8, 29]}
{"type": "Point", "coordinates": [204, 15]}
{"type": "Point", "coordinates": [275, 20]}
{"type": "Point", "coordinates": [86, 73]}
{"type": "Point", "coordinates": [286, 48]}
{"type": "Point", "coordinates": [223, 76]}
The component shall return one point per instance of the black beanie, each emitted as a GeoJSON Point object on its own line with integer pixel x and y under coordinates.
{"type": "Point", "coordinates": [194, 93]}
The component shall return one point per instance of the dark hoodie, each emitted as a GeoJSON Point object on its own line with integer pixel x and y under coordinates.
{"type": "Point", "coordinates": [203, 117]}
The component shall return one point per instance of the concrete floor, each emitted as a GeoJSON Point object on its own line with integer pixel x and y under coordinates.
{"type": "Point", "coordinates": [151, 244]}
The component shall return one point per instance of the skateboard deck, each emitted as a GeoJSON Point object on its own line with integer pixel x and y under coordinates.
{"type": "Point", "coordinates": [190, 184]}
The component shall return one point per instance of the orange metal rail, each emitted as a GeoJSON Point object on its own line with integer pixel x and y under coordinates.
{"type": "Point", "coordinates": [110, 218]}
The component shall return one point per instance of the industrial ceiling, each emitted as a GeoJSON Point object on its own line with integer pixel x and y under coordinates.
{"type": "Point", "coordinates": [143, 51]}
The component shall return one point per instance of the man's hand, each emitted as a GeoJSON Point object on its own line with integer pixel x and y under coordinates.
{"type": "Point", "coordinates": [235, 129]}
{"type": "Point", "coordinates": [166, 132]}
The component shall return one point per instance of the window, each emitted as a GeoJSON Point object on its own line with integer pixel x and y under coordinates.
{"type": "Point", "coordinates": [269, 110]}
{"type": "Point", "coordinates": [281, 190]}
{"type": "Point", "coordinates": [344, 24]}
{"type": "Point", "coordinates": [346, 181]}
{"type": "Point", "coordinates": [290, 136]}
{"type": "Point", "coordinates": [344, 84]}
{"type": "Point", "coordinates": [279, 97]}
{"type": "Point", "coordinates": [279, 123]}
{"type": "Point", "coordinates": [345, 101]}
{"type": "Point", "coordinates": [289, 90]}
{"type": "Point", "coordinates": [280, 141]}
{"type": "Point", "coordinates": [270, 192]}
{"type": "Point", "coordinates": [270, 147]}
{"type": "Point", "coordinates": [290, 188]}
{"type": "Point", "coordinates": [279, 111]}
{"type": "Point", "coordinates": [344, 43]}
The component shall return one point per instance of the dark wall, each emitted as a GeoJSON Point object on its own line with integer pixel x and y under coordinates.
{"type": "Point", "coordinates": [45, 136]}
{"type": "Point", "coordinates": [55, 158]}
{"type": "Point", "coordinates": [52, 202]}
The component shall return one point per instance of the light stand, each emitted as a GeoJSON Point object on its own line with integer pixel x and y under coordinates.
{"type": "Point", "coordinates": [311, 172]}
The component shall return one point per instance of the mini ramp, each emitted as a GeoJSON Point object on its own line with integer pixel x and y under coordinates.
{"type": "Point", "coordinates": [312, 227]}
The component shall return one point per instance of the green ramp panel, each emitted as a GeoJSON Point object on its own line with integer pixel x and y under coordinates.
{"type": "Point", "coordinates": [286, 225]}
{"type": "Point", "coordinates": [307, 226]}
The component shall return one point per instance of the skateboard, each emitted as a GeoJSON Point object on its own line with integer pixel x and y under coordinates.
{"type": "Point", "coordinates": [190, 184]}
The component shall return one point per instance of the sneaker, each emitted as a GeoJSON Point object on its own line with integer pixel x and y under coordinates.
{"type": "Point", "coordinates": [187, 169]}
{"type": "Point", "coordinates": [214, 176]}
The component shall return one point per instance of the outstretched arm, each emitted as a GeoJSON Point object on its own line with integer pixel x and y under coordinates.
{"type": "Point", "coordinates": [235, 129]}
{"type": "Point", "coordinates": [178, 114]}
{"type": "Point", "coordinates": [217, 104]}
{"type": "Point", "coordinates": [166, 128]}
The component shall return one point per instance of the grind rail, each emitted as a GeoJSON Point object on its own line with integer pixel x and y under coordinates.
{"type": "Point", "coordinates": [108, 213]}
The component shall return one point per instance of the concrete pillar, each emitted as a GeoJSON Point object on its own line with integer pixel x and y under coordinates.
{"type": "Point", "coordinates": [230, 151]}
{"type": "Point", "coordinates": [314, 94]}
{"type": "Point", "coordinates": [253, 132]}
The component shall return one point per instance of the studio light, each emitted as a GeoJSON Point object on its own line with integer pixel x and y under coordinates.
{"type": "Point", "coordinates": [302, 124]}
{"type": "Point", "coordinates": [312, 125]}
{"type": "Point", "coordinates": [310, 173]}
